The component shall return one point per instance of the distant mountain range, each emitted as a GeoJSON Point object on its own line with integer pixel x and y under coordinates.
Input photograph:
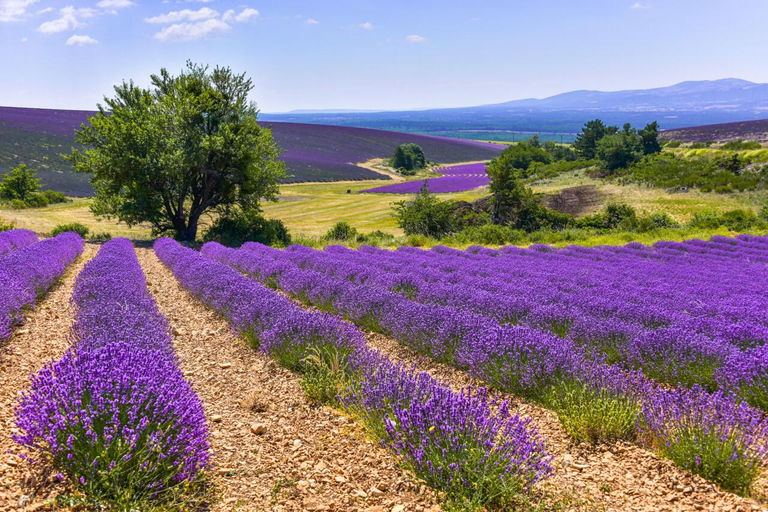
{"type": "Point", "coordinates": [685, 104]}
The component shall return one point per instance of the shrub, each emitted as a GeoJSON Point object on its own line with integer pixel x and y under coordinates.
{"type": "Point", "coordinates": [705, 220]}
{"type": "Point", "coordinates": [409, 157]}
{"type": "Point", "coordinates": [54, 196]}
{"type": "Point", "coordinates": [6, 226]}
{"type": "Point", "coordinates": [238, 226]}
{"type": "Point", "coordinates": [672, 144]}
{"type": "Point", "coordinates": [740, 145]}
{"type": "Point", "coordinates": [425, 215]}
{"type": "Point", "coordinates": [738, 220]}
{"type": "Point", "coordinates": [74, 227]}
{"type": "Point", "coordinates": [100, 237]}
{"type": "Point", "coordinates": [341, 231]}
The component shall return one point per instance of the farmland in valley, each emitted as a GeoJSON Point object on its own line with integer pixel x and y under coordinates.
{"type": "Point", "coordinates": [457, 178]}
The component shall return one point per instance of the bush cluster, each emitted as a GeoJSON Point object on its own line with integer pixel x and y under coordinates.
{"type": "Point", "coordinates": [238, 226]}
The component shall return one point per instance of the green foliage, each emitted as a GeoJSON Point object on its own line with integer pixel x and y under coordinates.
{"type": "Point", "coordinates": [595, 416]}
{"type": "Point", "coordinates": [740, 145]}
{"type": "Point", "coordinates": [619, 150]}
{"type": "Point", "coordinates": [425, 215]}
{"type": "Point", "coordinates": [239, 225]}
{"type": "Point", "coordinates": [341, 231]}
{"type": "Point", "coordinates": [735, 220]}
{"type": "Point", "coordinates": [649, 138]}
{"type": "Point", "coordinates": [325, 374]}
{"type": "Point", "coordinates": [586, 142]}
{"type": "Point", "coordinates": [723, 173]}
{"type": "Point", "coordinates": [74, 227]}
{"type": "Point", "coordinates": [672, 144]}
{"type": "Point", "coordinates": [718, 458]}
{"type": "Point", "coordinates": [6, 226]}
{"type": "Point", "coordinates": [518, 158]}
{"type": "Point", "coordinates": [54, 196]}
{"type": "Point", "coordinates": [409, 157]}
{"type": "Point", "coordinates": [19, 184]}
{"type": "Point", "coordinates": [100, 237]}
{"type": "Point", "coordinates": [185, 147]}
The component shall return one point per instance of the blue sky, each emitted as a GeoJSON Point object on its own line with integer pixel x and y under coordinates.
{"type": "Point", "coordinates": [361, 54]}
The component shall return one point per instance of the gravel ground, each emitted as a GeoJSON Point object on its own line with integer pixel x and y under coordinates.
{"type": "Point", "coordinates": [272, 450]}
{"type": "Point", "coordinates": [43, 338]}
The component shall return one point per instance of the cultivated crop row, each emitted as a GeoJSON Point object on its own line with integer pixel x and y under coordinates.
{"type": "Point", "coordinates": [709, 433]}
{"type": "Point", "coordinates": [16, 239]}
{"type": "Point", "coordinates": [688, 313]}
{"type": "Point", "coordinates": [463, 444]}
{"type": "Point", "coordinates": [114, 414]}
{"type": "Point", "coordinates": [456, 178]}
{"type": "Point", "coordinates": [28, 272]}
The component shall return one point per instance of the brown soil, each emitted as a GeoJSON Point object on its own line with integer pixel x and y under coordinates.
{"type": "Point", "coordinates": [306, 458]}
{"type": "Point", "coordinates": [576, 201]}
{"type": "Point", "coordinates": [43, 338]}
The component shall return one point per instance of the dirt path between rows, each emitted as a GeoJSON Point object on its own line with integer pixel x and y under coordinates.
{"type": "Point", "coordinates": [43, 338]}
{"type": "Point", "coordinates": [272, 450]}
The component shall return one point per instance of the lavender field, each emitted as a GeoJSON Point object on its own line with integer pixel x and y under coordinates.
{"type": "Point", "coordinates": [481, 369]}
{"type": "Point", "coordinates": [38, 137]}
{"type": "Point", "coordinates": [457, 178]}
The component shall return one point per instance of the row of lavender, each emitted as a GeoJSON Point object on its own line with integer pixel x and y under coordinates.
{"type": "Point", "coordinates": [594, 400]}
{"type": "Point", "coordinates": [16, 239]}
{"type": "Point", "coordinates": [691, 313]}
{"type": "Point", "coordinates": [115, 414]}
{"type": "Point", "coordinates": [30, 270]}
{"type": "Point", "coordinates": [463, 444]}
{"type": "Point", "coordinates": [456, 178]}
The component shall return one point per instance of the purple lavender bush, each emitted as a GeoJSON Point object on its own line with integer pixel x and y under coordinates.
{"type": "Point", "coordinates": [28, 272]}
{"type": "Point", "coordinates": [460, 443]}
{"type": "Point", "coordinates": [712, 435]}
{"type": "Point", "coordinates": [115, 414]}
{"type": "Point", "coordinates": [16, 239]}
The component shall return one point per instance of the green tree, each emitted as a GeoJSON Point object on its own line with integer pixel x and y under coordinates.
{"type": "Point", "coordinates": [511, 201]}
{"type": "Point", "coordinates": [520, 157]}
{"type": "Point", "coordinates": [649, 138]}
{"type": "Point", "coordinates": [20, 183]}
{"type": "Point", "coordinates": [187, 146]}
{"type": "Point", "coordinates": [409, 157]}
{"type": "Point", "coordinates": [619, 150]}
{"type": "Point", "coordinates": [425, 215]}
{"type": "Point", "coordinates": [586, 142]}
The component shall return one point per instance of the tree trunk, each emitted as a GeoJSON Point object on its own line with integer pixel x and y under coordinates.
{"type": "Point", "coordinates": [189, 233]}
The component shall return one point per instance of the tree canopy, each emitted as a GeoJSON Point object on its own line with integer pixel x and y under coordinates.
{"type": "Point", "coordinates": [20, 183]}
{"type": "Point", "coordinates": [409, 157]}
{"type": "Point", "coordinates": [187, 146]}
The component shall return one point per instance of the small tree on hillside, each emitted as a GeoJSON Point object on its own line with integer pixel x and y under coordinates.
{"type": "Point", "coordinates": [649, 138]}
{"type": "Point", "coordinates": [185, 147]}
{"type": "Point", "coordinates": [20, 183]}
{"type": "Point", "coordinates": [409, 157]}
{"type": "Point", "coordinates": [511, 201]}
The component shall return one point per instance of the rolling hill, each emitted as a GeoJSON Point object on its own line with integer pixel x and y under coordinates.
{"type": "Point", "coordinates": [724, 132]}
{"type": "Point", "coordinates": [38, 137]}
{"type": "Point", "coordinates": [685, 104]}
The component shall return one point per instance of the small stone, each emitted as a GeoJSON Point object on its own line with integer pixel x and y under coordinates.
{"type": "Point", "coordinates": [302, 484]}
{"type": "Point", "coordinates": [258, 428]}
{"type": "Point", "coordinates": [340, 479]}
{"type": "Point", "coordinates": [320, 466]}
{"type": "Point", "coordinates": [22, 331]}
{"type": "Point", "coordinates": [12, 462]}
{"type": "Point", "coordinates": [178, 332]}
{"type": "Point", "coordinates": [216, 418]}
{"type": "Point", "coordinates": [225, 471]}
{"type": "Point", "coordinates": [376, 508]}
{"type": "Point", "coordinates": [225, 365]}
{"type": "Point", "coordinates": [296, 444]}
{"type": "Point", "coordinates": [360, 493]}
{"type": "Point", "coordinates": [375, 492]}
{"type": "Point", "coordinates": [398, 508]}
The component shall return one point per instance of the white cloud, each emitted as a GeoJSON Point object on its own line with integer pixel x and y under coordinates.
{"type": "Point", "coordinates": [311, 21]}
{"type": "Point", "coordinates": [81, 40]}
{"type": "Point", "coordinates": [14, 10]}
{"type": "Point", "coordinates": [245, 15]}
{"type": "Point", "coordinates": [204, 13]}
{"type": "Point", "coordinates": [192, 31]}
{"type": "Point", "coordinates": [114, 4]}
{"type": "Point", "coordinates": [69, 19]}
{"type": "Point", "coordinates": [367, 25]}
{"type": "Point", "coordinates": [24, 39]}
{"type": "Point", "coordinates": [416, 39]}
{"type": "Point", "coordinates": [43, 11]}
{"type": "Point", "coordinates": [638, 5]}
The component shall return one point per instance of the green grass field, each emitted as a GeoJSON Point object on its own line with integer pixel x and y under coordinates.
{"type": "Point", "coordinates": [311, 209]}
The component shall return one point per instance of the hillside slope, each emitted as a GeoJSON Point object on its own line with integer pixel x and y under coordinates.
{"type": "Point", "coordinates": [38, 138]}
{"type": "Point", "coordinates": [723, 132]}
